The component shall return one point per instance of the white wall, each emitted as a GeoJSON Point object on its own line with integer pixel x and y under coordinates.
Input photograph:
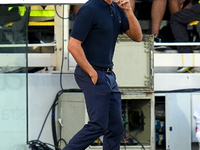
{"type": "Point", "coordinates": [13, 129]}
{"type": "Point", "coordinates": [42, 89]}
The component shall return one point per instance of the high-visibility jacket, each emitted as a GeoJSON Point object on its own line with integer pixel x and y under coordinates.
{"type": "Point", "coordinates": [36, 12]}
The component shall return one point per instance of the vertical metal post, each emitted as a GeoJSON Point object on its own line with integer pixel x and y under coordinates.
{"type": "Point", "coordinates": [66, 38]}
{"type": "Point", "coordinates": [61, 37]}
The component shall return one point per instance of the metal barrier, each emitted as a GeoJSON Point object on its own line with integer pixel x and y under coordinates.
{"type": "Point", "coordinates": [177, 59]}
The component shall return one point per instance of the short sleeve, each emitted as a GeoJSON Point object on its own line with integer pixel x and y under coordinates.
{"type": "Point", "coordinates": [82, 24]}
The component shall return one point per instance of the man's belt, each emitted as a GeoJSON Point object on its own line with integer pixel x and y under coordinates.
{"type": "Point", "coordinates": [103, 69]}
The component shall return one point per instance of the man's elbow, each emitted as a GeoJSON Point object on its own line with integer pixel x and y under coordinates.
{"type": "Point", "coordinates": [138, 38]}
{"type": "Point", "coordinates": [71, 46]}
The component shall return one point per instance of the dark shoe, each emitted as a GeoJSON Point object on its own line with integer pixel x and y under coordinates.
{"type": "Point", "coordinates": [160, 48]}
{"type": "Point", "coordinates": [184, 69]}
{"type": "Point", "coordinates": [157, 38]}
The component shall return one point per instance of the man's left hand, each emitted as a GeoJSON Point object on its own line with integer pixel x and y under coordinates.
{"type": "Point", "coordinates": [124, 4]}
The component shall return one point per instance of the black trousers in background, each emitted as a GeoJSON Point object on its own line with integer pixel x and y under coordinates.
{"type": "Point", "coordinates": [179, 22]}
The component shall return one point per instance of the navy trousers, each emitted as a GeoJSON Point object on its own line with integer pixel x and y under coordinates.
{"type": "Point", "coordinates": [179, 22]}
{"type": "Point", "coordinates": [103, 102]}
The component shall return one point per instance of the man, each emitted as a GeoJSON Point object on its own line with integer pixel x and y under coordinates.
{"type": "Point", "coordinates": [179, 22]}
{"type": "Point", "coordinates": [92, 44]}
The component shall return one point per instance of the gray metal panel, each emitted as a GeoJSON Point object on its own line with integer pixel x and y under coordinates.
{"type": "Point", "coordinates": [133, 64]}
{"type": "Point", "coordinates": [71, 114]}
{"type": "Point", "coordinates": [178, 121]}
{"type": "Point", "coordinates": [176, 81]}
{"type": "Point", "coordinates": [144, 136]}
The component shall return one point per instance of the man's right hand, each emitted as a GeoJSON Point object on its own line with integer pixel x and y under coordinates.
{"type": "Point", "coordinates": [94, 77]}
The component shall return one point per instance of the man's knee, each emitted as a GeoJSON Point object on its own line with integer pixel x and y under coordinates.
{"type": "Point", "coordinates": [118, 129]}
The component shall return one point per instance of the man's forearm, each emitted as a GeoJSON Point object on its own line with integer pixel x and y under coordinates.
{"type": "Point", "coordinates": [77, 52]}
{"type": "Point", "coordinates": [135, 31]}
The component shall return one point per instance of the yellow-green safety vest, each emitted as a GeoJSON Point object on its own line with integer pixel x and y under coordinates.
{"type": "Point", "coordinates": [35, 13]}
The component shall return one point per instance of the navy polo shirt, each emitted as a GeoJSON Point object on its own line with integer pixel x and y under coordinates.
{"type": "Point", "coordinates": [97, 25]}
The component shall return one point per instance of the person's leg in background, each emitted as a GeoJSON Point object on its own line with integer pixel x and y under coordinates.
{"type": "Point", "coordinates": [157, 12]}
{"type": "Point", "coordinates": [175, 5]}
{"type": "Point", "coordinates": [132, 3]}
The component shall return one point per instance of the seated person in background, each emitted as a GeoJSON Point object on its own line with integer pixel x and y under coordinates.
{"type": "Point", "coordinates": [8, 15]}
{"type": "Point", "coordinates": [157, 12]}
{"type": "Point", "coordinates": [179, 22]}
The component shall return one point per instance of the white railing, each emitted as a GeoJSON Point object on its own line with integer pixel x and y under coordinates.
{"type": "Point", "coordinates": [177, 59]}
{"type": "Point", "coordinates": [29, 45]}
{"type": "Point", "coordinates": [34, 59]}
{"type": "Point", "coordinates": [49, 59]}
{"type": "Point", "coordinates": [177, 44]}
